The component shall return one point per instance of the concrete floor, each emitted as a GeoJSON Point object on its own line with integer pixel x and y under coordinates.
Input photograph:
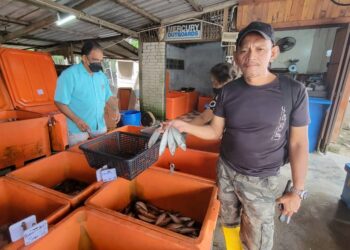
{"type": "Point", "coordinates": [323, 222]}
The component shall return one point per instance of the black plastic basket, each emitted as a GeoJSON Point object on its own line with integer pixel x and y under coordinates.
{"type": "Point", "coordinates": [127, 153]}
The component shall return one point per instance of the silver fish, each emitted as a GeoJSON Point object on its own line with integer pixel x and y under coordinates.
{"type": "Point", "coordinates": [180, 140]}
{"type": "Point", "coordinates": [153, 138]}
{"type": "Point", "coordinates": [171, 142]}
{"type": "Point", "coordinates": [163, 142]}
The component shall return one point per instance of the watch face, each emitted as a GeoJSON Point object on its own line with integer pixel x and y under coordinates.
{"type": "Point", "coordinates": [304, 195]}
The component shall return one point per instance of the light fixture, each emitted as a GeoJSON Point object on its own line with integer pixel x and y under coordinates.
{"type": "Point", "coordinates": [62, 20]}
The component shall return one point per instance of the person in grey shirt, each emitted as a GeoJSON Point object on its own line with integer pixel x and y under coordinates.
{"type": "Point", "coordinates": [259, 133]}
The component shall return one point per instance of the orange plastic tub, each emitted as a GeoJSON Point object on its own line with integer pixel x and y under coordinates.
{"type": "Point", "coordinates": [24, 136]}
{"type": "Point", "coordinates": [194, 142]}
{"type": "Point", "coordinates": [30, 78]}
{"type": "Point", "coordinates": [90, 229]}
{"type": "Point", "coordinates": [18, 201]}
{"type": "Point", "coordinates": [202, 101]}
{"type": "Point", "coordinates": [191, 100]}
{"type": "Point", "coordinates": [176, 105]}
{"type": "Point", "coordinates": [51, 171]}
{"type": "Point", "coordinates": [58, 132]}
{"type": "Point", "coordinates": [202, 164]}
{"type": "Point", "coordinates": [191, 196]}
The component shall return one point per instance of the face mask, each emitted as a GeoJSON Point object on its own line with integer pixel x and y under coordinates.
{"type": "Point", "coordinates": [217, 91]}
{"type": "Point", "coordinates": [95, 67]}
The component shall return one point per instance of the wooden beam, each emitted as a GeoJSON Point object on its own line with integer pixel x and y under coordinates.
{"type": "Point", "coordinates": [35, 26]}
{"type": "Point", "coordinates": [13, 20]}
{"type": "Point", "coordinates": [82, 16]}
{"type": "Point", "coordinates": [41, 24]}
{"type": "Point", "coordinates": [193, 14]}
{"type": "Point", "coordinates": [137, 10]}
{"type": "Point", "coordinates": [195, 5]}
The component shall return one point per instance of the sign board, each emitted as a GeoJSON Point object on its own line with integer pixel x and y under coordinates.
{"type": "Point", "coordinates": [184, 31]}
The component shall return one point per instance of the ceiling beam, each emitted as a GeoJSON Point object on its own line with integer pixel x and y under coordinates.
{"type": "Point", "coordinates": [13, 20]}
{"type": "Point", "coordinates": [22, 32]}
{"type": "Point", "coordinates": [82, 16]}
{"type": "Point", "coordinates": [42, 23]}
{"type": "Point", "coordinates": [137, 10]}
{"type": "Point", "coordinates": [195, 5]}
{"type": "Point", "coordinates": [193, 14]}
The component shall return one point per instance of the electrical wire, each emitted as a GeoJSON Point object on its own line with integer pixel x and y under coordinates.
{"type": "Point", "coordinates": [340, 4]}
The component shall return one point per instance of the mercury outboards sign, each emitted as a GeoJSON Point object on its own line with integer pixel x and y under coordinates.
{"type": "Point", "coordinates": [184, 31]}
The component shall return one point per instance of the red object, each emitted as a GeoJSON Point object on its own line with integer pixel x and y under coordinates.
{"type": "Point", "coordinates": [203, 101]}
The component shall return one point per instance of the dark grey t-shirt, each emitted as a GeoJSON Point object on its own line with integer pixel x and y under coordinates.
{"type": "Point", "coordinates": [255, 136]}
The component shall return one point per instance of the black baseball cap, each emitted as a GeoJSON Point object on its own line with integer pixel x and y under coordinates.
{"type": "Point", "coordinates": [263, 29]}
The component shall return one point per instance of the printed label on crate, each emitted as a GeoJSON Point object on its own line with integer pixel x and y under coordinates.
{"type": "Point", "coordinates": [36, 232]}
{"type": "Point", "coordinates": [108, 175]}
{"type": "Point", "coordinates": [98, 173]}
{"type": "Point", "coordinates": [17, 229]}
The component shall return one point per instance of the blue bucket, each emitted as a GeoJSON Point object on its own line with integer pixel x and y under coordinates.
{"type": "Point", "coordinates": [318, 108]}
{"type": "Point", "coordinates": [131, 117]}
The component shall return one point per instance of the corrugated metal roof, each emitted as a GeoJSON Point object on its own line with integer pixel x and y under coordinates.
{"type": "Point", "coordinates": [108, 10]}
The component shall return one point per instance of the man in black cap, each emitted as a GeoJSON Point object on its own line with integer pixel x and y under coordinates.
{"type": "Point", "coordinates": [263, 120]}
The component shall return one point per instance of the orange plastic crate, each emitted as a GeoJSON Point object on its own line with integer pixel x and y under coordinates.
{"type": "Point", "coordinates": [202, 164]}
{"type": "Point", "coordinates": [24, 136]}
{"type": "Point", "coordinates": [194, 142]}
{"type": "Point", "coordinates": [176, 105]}
{"type": "Point", "coordinates": [47, 173]}
{"type": "Point", "coordinates": [87, 228]}
{"type": "Point", "coordinates": [202, 101]}
{"type": "Point", "coordinates": [191, 196]}
{"type": "Point", "coordinates": [30, 78]}
{"type": "Point", "coordinates": [191, 100]}
{"type": "Point", "coordinates": [18, 201]}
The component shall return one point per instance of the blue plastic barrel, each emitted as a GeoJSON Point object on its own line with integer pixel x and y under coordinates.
{"type": "Point", "coordinates": [318, 108]}
{"type": "Point", "coordinates": [131, 117]}
{"type": "Point", "coordinates": [345, 196]}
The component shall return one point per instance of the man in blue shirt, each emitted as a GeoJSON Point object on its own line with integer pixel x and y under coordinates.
{"type": "Point", "coordinates": [82, 93]}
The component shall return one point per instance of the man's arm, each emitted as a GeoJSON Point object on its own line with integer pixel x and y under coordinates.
{"type": "Point", "coordinates": [204, 118]}
{"type": "Point", "coordinates": [112, 104]}
{"type": "Point", "coordinates": [69, 113]}
{"type": "Point", "coordinates": [213, 131]}
{"type": "Point", "coordinates": [298, 155]}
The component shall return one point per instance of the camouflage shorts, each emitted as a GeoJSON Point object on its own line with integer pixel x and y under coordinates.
{"type": "Point", "coordinates": [249, 202]}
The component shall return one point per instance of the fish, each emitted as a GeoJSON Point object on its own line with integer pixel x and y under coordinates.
{"type": "Point", "coordinates": [146, 214]}
{"type": "Point", "coordinates": [154, 138]}
{"type": "Point", "coordinates": [161, 219]}
{"type": "Point", "coordinates": [163, 142]}
{"type": "Point", "coordinates": [175, 219]}
{"type": "Point", "coordinates": [144, 218]}
{"type": "Point", "coordinates": [179, 138]}
{"type": "Point", "coordinates": [142, 205]}
{"type": "Point", "coordinates": [171, 142]}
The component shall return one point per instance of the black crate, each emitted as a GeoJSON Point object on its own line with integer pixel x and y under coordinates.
{"type": "Point", "coordinates": [127, 153]}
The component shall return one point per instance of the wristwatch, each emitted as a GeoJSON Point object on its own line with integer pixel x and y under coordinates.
{"type": "Point", "coordinates": [301, 193]}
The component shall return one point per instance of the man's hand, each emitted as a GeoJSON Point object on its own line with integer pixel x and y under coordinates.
{"type": "Point", "coordinates": [291, 203]}
{"type": "Point", "coordinates": [82, 125]}
{"type": "Point", "coordinates": [116, 118]}
{"type": "Point", "coordinates": [179, 125]}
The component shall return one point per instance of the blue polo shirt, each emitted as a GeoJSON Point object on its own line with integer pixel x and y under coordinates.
{"type": "Point", "coordinates": [86, 95]}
